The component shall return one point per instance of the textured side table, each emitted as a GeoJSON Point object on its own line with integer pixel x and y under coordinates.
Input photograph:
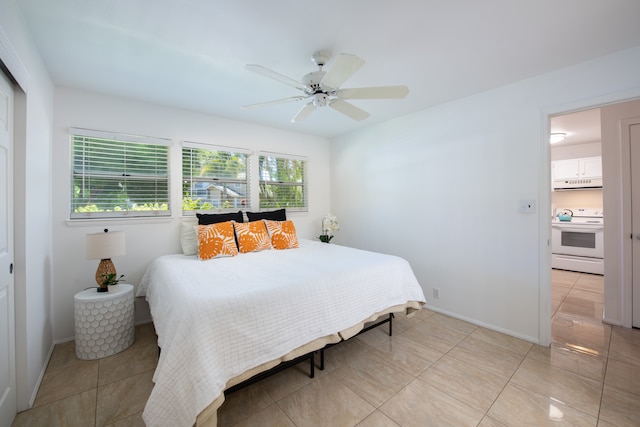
{"type": "Point", "coordinates": [104, 322]}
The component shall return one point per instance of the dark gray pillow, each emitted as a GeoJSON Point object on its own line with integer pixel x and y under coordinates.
{"type": "Point", "coordinates": [206, 219]}
{"type": "Point", "coordinates": [278, 215]}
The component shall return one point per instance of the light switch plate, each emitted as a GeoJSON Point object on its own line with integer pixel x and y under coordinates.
{"type": "Point", "coordinates": [527, 206]}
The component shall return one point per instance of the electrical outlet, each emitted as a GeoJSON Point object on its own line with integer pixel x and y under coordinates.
{"type": "Point", "coordinates": [436, 293]}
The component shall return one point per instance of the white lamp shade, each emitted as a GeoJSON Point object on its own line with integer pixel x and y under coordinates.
{"type": "Point", "coordinates": [105, 245]}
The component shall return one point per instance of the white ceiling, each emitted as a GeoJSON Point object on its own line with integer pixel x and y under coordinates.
{"type": "Point", "coordinates": [580, 127]}
{"type": "Point", "coordinates": [191, 53]}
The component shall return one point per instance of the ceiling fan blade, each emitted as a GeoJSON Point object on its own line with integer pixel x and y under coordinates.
{"type": "Point", "coordinates": [303, 113]}
{"type": "Point", "coordinates": [275, 76]}
{"type": "Point", "coordinates": [344, 67]}
{"type": "Point", "coordinates": [380, 92]}
{"type": "Point", "coordinates": [348, 109]}
{"type": "Point", "coordinates": [275, 102]}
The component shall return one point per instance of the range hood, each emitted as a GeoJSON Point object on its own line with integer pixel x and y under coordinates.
{"type": "Point", "coordinates": [577, 184]}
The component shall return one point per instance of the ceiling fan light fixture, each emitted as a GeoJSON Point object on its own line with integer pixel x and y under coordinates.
{"type": "Point", "coordinates": [320, 100]}
{"type": "Point", "coordinates": [556, 137]}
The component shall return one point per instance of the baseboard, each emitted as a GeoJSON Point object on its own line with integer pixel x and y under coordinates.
{"type": "Point", "coordinates": [495, 328]}
{"type": "Point", "coordinates": [34, 394]}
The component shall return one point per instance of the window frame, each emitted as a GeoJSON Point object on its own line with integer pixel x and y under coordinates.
{"type": "Point", "coordinates": [79, 133]}
{"type": "Point", "coordinates": [217, 148]}
{"type": "Point", "coordinates": [304, 185]}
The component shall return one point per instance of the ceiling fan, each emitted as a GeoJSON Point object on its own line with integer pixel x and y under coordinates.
{"type": "Point", "coordinates": [322, 88]}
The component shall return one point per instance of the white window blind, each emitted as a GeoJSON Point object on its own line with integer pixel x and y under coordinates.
{"type": "Point", "coordinates": [283, 182]}
{"type": "Point", "coordinates": [214, 178]}
{"type": "Point", "coordinates": [117, 175]}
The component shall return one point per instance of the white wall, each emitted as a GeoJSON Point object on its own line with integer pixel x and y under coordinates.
{"type": "Point", "coordinates": [148, 239]}
{"type": "Point", "coordinates": [32, 205]}
{"type": "Point", "coordinates": [441, 188]}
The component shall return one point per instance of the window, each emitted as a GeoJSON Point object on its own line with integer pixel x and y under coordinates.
{"type": "Point", "coordinates": [282, 182]}
{"type": "Point", "coordinates": [214, 178]}
{"type": "Point", "coordinates": [115, 175]}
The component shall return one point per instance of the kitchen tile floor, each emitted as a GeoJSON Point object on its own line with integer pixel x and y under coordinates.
{"type": "Point", "coordinates": [434, 371]}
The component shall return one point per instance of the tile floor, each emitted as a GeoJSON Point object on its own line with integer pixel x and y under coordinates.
{"type": "Point", "coordinates": [434, 371]}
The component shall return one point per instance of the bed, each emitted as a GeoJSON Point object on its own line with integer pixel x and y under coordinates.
{"type": "Point", "coordinates": [221, 321]}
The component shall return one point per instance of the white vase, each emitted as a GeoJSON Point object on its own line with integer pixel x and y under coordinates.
{"type": "Point", "coordinates": [114, 288]}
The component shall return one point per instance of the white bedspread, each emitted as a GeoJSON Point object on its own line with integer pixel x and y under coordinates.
{"type": "Point", "coordinates": [216, 319]}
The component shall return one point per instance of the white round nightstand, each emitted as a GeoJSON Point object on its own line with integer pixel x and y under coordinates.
{"type": "Point", "coordinates": [104, 322]}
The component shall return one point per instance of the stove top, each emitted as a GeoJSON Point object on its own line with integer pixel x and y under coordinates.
{"type": "Point", "coordinates": [581, 215]}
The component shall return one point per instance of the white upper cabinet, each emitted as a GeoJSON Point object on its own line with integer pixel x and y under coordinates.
{"type": "Point", "coordinates": [587, 167]}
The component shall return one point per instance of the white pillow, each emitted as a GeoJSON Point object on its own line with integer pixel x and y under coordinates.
{"type": "Point", "coordinates": [188, 235]}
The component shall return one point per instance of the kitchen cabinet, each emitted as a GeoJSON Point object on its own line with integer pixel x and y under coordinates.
{"type": "Point", "coordinates": [583, 168]}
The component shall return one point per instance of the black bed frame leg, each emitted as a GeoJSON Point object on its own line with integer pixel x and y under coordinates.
{"type": "Point", "coordinates": [312, 364]}
{"type": "Point", "coordinates": [390, 324]}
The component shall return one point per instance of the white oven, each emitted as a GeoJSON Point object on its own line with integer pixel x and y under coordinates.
{"type": "Point", "coordinates": [578, 244]}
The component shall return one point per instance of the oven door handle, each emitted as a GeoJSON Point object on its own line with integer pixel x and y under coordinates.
{"type": "Point", "coordinates": [579, 229]}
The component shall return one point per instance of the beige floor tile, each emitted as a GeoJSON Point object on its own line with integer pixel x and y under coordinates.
{"type": "Point", "coordinates": [590, 336]}
{"type": "Point", "coordinates": [271, 416]}
{"type": "Point", "coordinates": [401, 322]}
{"type": "Point", "coordinates": [403, 352]}
{"type": "Point", "coordinates": [625, 347]}
{"type": "Point", "coordinates": [243, 404]}
{"type": "Point", "coordinates": [620, 408]}
{"type": "Point", "coordinates": [140, 357]}
{"type": "Point", "coordinates": [325, 402]}
{"type": "Point", "coordinates": [473, 386]}
{"type": "Point", "coordinates": [488, 357]}
{"type": "Point", "coordinates": [452, 323]}
{"type": "Point", "coordinates": [580, 306]}
{"type": "Point", "coordinates": [371, 375]}
{"type": "Point", "coordinates": [623, 376]}
{"type": "Point", "coordinates": [564, 277]}
{"type": "Point", "coordinates": [517, 407]}
{"type": "Point", "coordinates": [555, 304]}
{"type": "Point", "coordinates": [78, 410]}
{"type": "Point", "coordinates": [435, 335]}
{"type": "Point", "coordinates": [571, 359]}
{"type": "Point", "coordinates": [560, 290]}
{"type": "Point", "coordinates": [377, 419]}
{"type": "Point", "coordinates": [579, 392]}
{"type": "Point", "coordinates": [66, 381]}
{"type": "Point", "coordinates": [64, 355]}
{"type": "Point", "coordinates": [507, 342]}
{"type": "Point", "coordinates": [288, 381]}
{"type": "Point", "coordinates": [121, 399]}
{"type": "Point", "coordinates": [628, 335]}
{"type": "Point", "coordinates": [590, 282]}
{"type": "Point", "coordinates": [419, 404]}
{"type": "Point", "coordinates": [132, 421]}
{"type": "Point", "coordinates": [487, 421]}
{"type": "Point", "coordinates": [586, 295]}
{"type": "Point", "coordinates": [423, 314]}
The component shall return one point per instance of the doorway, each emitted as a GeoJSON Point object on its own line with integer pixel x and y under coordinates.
{"type": "Point", "coordinates": [577, 282]}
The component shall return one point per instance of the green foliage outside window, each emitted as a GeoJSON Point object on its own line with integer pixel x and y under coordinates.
{"type": "Point", "coordinates": [282, 182]}
{"type": "Point", "coordinates": [214, 179]}
{"type": "Point", "coordinates": [113, 176]}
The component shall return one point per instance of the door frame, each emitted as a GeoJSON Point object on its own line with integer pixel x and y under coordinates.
{"type": "Point", "coordinates": [627, 224]}
{"type": "Point", "coordinates": [621, 319]}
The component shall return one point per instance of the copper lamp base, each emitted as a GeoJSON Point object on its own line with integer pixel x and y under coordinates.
{"type": "Point", "coordinates": [105, 268]}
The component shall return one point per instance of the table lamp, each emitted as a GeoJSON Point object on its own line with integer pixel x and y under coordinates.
{"type": "Point", "coordinates": [104, 246]}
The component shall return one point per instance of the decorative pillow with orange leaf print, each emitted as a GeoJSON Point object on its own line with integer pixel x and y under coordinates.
{"type": "Point", "coordinates": [216, 240]}
{"type": "Point", "coordinates": [252, 236]}
{"type": "Point", "coordinates": [283, 234]}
